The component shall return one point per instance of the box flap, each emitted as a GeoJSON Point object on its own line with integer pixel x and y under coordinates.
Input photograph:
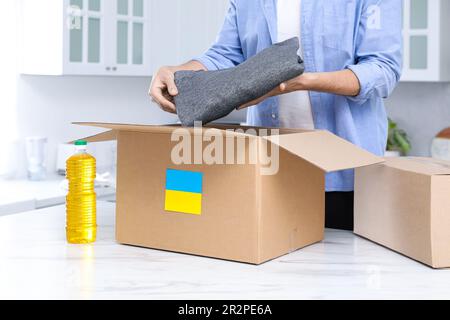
{"type": "Point", "coordinates": [224, 126]}
{"type": "Point", "coordinates": [172, 127]}
{"type": "Point", "coordinates": [167, 129]}
{"type": "Point", "coordinates": [321, 148]}
{"type": "Point", "coordinates": [427, 166]}
{"type": "Point", "coordinates": [128, 127]}
{"type": "Point", "coordinates": [325, 150]}
{"type": "Point", "coordinates": [110, 135]}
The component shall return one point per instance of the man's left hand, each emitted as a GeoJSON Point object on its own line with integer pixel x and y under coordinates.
{"type": "Point", "coordinates": [296, 84]}
{"type": "Point", "coordinates": [344, 83]}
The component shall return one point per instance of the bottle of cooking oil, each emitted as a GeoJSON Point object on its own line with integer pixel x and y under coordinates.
{"type": "Point", "coordinates": [81, 200]}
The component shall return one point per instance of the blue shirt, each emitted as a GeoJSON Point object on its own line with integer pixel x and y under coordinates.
{"type": "Point", "coordinates": [361, 35]}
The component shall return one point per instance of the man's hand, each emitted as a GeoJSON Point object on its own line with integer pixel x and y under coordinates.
{"type": "Point", "coordinates": [275, 92]}
{"type": "Point", "coordinates": [295, 84]}
{"type": "Point", "coordinates": [163, 89]}
{"type": "Point", "coordinates": [344, 83]}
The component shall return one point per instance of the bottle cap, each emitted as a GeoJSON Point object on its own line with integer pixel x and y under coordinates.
{"type": "Point", "coordinates": [81, 143]}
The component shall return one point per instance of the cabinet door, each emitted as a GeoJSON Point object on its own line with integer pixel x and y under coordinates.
{"type": "Point", "coordinates": [421, 35]}
{"type": "Point", "coordinates": [131, 37]}
{"type": "Point", "coordinates": [84, 37]}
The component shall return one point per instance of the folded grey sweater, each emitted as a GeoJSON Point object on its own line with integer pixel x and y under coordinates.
{"type": "Point", "coordinates": [210, 95]}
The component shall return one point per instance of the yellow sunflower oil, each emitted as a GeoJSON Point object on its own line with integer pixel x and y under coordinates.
{"type": "Point", "coordinates": [81, 204]}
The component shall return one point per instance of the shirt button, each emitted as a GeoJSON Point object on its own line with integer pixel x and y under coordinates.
{"type": "Point", "coordinates": [274, 116]}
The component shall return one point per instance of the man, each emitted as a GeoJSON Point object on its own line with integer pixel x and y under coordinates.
{"type": "Point", "coordinates": [352, 51]}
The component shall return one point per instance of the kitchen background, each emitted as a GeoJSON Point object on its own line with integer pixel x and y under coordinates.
{"type": "Point", "coordinates": [99, 68]}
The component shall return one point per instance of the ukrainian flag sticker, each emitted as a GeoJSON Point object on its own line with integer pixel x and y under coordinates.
{"type": "Point", "coordinates": [184, 191]}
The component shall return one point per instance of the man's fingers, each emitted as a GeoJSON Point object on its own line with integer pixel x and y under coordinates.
{"type": "Point", "coordinates": [169, 81]}
{"type": "Point", "coordinates": [168, 106]}
{"type": "Point", "coordinates": [164, 103]}
{"type": "Point", "coordinates": [173, 90]}
{"type": "Point", "coordinates": [163, 89]}
{"type": "Point", "coordinates": [169, 109]}
{"type": "Point", "coordinates": [152, 84]}
{"type": "Point", "coordinates": [254, 102]}
{"type": "Point", "coordinates": [168, 97]}
{"type": "Point", "coordinates": [281, 89]}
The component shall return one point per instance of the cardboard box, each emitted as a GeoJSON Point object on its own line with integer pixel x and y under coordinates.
{"type": "Point", "coordinates": [233, 211]}
{"type": "Point", "coordinates": [404, 204]}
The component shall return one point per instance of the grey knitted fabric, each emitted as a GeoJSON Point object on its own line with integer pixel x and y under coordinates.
{"type": "Point", "coordinates": [210, 95]}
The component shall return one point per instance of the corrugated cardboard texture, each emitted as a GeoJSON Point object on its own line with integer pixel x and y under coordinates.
{"type": "Point", "coordinates": [321, 148]}
{"type": "Point", "coordinates": [245, 216]}
{"type": "Point", "coordinates": [427, 166]}
{"type": "Point", "coordinates": [292, 207]}
{"type": "Point", "coordinates": [110, 135]}
{"type": "Point", "coordinates": [325, 150]}
{"type": "Point", "coordinates": [392, 208]}
{"type": "Point", "coordinates": [127, 127]}
{"type": "Point", "coordinates": [403, 206]}
{"type": "Point", "coordinates": [228, 227]}
{"type": "Point", "coordinates": [268, 216]}
{"type": "Point", "coordinates": [440, 221]}
{"type": "Point", "coordinates": [171, 128]}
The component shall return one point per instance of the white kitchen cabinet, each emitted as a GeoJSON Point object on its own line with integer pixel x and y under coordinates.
{"type": "Point", "coordinates": [426, 28]}
{"type": "Point", "coordinates": [115, 37]}
{"type": "Point", "coordinates": [86, 37]}
{"type": "Point", "coordinates": [131, 31]}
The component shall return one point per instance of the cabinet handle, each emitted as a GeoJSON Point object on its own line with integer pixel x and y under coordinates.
{"type": "Point", "coordinates": [114, 68]}
{"type": "Point", "coordinates": [108, 68]}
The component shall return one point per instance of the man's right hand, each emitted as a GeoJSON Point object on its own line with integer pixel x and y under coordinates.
{"type": "Point", "coordinates": [163, 89]}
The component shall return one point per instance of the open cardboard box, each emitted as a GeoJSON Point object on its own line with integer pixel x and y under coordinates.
{"type": "Point", "coordinates": [245, 213]}
{"type": "Point", "coordinates": [404, 204]}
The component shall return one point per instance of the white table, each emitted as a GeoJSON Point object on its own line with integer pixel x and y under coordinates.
{"type": "Point", "coordinates": [22, 195]}
{"type": "Point", "coordinates": [36, 262]}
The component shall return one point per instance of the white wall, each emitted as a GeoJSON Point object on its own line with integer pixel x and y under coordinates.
{"type": "Point", "coordinates": [48, 105]}
{"type": "Point", "coordinates": [8, 73]}
{"type": "Point", "coordinates": [423, 110]}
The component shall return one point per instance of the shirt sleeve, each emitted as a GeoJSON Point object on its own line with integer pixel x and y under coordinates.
{"type": "Point", "coordinates": [226, 52]}
{"type": "Point", "coordinates": [378, 49]}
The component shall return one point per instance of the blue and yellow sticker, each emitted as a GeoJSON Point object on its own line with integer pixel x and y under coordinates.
{"type": "Point", "coordinates": [184, 191]}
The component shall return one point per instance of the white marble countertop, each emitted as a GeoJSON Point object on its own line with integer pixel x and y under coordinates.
{"type": "Point", "coordinates": [23, 195]}
{"type": "Point", "coordinates": [36, 262]}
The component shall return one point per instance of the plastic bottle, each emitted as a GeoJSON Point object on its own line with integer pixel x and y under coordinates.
{"type": "Point", "coordinates": [81, 203]}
